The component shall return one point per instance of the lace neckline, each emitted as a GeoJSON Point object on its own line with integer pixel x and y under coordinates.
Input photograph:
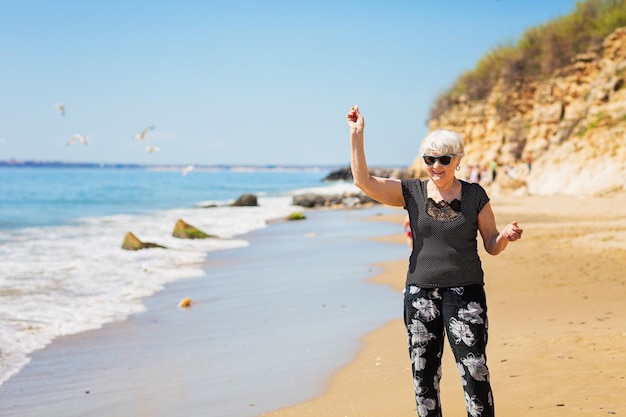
{"type": "Point", "coordinates": [443, 210]}
{"type": "Point", "coordinates": [444, 205]}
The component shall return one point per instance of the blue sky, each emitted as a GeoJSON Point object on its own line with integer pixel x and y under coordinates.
{"type": "Point", "coordinates": [238, 82]}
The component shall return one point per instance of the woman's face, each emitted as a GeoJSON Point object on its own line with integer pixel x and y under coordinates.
{"type": "Point", "coordinates": [440, 167]}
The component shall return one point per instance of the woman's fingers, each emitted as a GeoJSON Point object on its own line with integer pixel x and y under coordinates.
{"type": "Point", "coordinates": [512, 232]}
{"type": "Point", "coordinates": [353, 114]}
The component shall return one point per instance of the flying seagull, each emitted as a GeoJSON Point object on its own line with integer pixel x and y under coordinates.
{"type": "Point", "coordinates": [152, 149]}
{"type": "Point", "coordinates": [61, 108]}
{"type": "Point", "coordinates": [80, 138]}
{"type": "Point", "coordinates": [187, 169]}
{"type": "Point", "coordinates": [143, 134]}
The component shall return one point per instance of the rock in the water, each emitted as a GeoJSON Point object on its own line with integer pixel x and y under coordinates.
{"type": "Point", "coordinates": [312, 200]}
{"type": "Point", "coordinates": [132, 242]}
{"type": "Point", "coordinates": [345, 174]}
{"type": "Point", "coordinates": [184, 230]}
{"type": "Point", "coordinates": [246, 200]}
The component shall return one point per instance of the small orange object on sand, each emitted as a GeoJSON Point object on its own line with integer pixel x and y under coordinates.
{"type": "Point", "coordinates": [185, 303]}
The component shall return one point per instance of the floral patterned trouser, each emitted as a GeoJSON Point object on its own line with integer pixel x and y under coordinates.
{"type": "Point", "coordinates": [461, 312]}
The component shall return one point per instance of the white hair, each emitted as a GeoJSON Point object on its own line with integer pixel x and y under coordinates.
{"type": "Point", "coordinates": [443, 142]}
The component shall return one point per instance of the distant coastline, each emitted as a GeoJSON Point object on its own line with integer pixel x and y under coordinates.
{"type": "Point", "coordinates": [165, 167]}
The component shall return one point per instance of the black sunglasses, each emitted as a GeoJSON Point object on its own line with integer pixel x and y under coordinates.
{"type": "Point", "coordinates": [443, 159]}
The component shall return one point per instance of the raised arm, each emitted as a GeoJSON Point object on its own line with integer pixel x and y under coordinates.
{"type": "Point", "coordinates": [384, 190]}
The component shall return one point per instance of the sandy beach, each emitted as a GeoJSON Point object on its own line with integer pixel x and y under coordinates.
{"type": "Point", "coordinates": [557, 343]}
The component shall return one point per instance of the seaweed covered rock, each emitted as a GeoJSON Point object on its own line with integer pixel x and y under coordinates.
{"type": "Point", "coordinates": [298, 215]}
{"type": "Point", "coordinates": [184, 230]}
{"type": "Point", "coordinates": [132, 242]}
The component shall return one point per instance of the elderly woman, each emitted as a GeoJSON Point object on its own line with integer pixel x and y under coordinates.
{"type": "Point", "coordinates": [444, 291]}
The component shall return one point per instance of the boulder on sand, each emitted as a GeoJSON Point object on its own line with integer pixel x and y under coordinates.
{"type": "Point", "coordinates": [132, 242]}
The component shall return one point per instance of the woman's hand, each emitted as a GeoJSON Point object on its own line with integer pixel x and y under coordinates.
{"type": "Point", "coordinates": [512, 232]}
{"type": "Point", "coordinates": [355, 120]}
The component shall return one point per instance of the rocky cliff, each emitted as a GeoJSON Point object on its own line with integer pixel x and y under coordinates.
{"type": "Point", "coordinates": [572, 126]}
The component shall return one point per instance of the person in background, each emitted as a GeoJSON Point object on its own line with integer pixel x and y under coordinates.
{"type": "Point", "coordinates": [529, 161]}
{"type": "Point", "coordinates": [444, 291]}
{"type": "Point", "coordinates": [474, 174]}
{"type": "Point", "coordinates": [409, 233]}
{"type": "Point", "coordinates": [493, 166]}
{"type": "Point", "coordinates": [484, 175]}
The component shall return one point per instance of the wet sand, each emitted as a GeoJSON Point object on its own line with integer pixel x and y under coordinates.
{"type": "Point", "coordinates": [557, 311]}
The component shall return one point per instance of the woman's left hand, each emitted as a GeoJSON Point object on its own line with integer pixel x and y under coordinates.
{"type": "Point", "coordinates": [512, 232]}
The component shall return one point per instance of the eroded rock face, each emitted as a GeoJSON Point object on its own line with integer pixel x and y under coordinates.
{"type": "Point", "coordinates": [572, 126]}
{"type": "Point", "coordinates": [184, 230]}
{"type": "Point", "coordinates": [246, 200]}
{"type": "Point", "coordinates": [132, 242]}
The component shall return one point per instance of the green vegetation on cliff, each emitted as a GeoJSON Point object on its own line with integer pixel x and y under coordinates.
{"type": "Point", "coordinates": [540, 51]}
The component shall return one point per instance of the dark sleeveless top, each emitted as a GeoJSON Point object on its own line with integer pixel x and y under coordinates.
{"type": "Point", "coordinates": [445, 252]}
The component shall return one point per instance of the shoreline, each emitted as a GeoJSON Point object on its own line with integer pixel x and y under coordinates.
{"type": "Point", "coordinates": [556, 322]}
